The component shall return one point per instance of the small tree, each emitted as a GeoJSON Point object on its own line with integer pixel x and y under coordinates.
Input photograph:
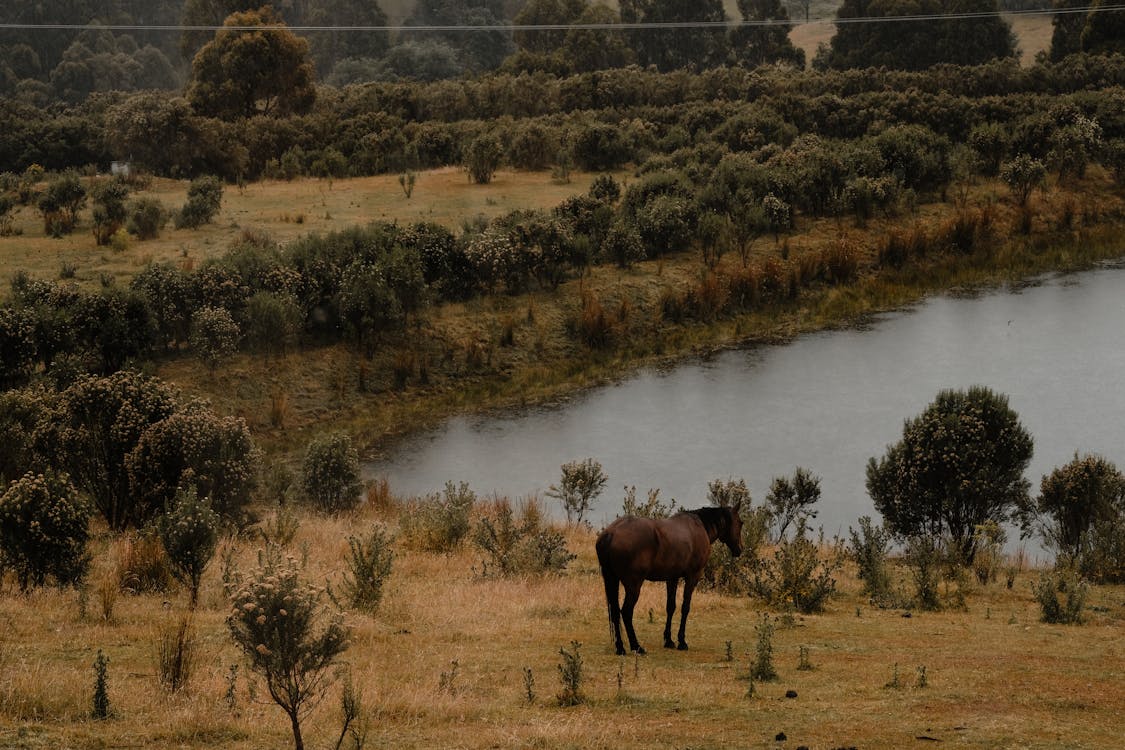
{"type": "Point", "coordinates": [145, 218]}
{"type": "Point", "coordinates": [204, 198]}
{"type": "Point", "coordinates": [1072, 498]}
{"type": "Point", "coordinates": [369, 563]}
{"type": "Point", "coordinates": [61, 202]}
{"type": "Point", "coordinates": [482, 157]}
{"type": "Point", "coordinates": [959, 463]}
{"type": "Point", "coordinates": [1022, 175]}
{"type": "Point", "coordinates": [869, 549]}
{"type": "Point", "coordinates": [109, 209]}
{"type": "Point", "coordinates": [43, 530]}
{"type": "Point", "coordinates": [792, 499]}
{"type": "Point", "coordinates": [582, 481]}
{"type": "Point", "coordinates": [275, 621]}
{"type": "Point", "coordinates": [330, 473]}
{"type": "Point", "coordinates": [214, 336]}
{"type": "Point", "coordinates": [190, 534]}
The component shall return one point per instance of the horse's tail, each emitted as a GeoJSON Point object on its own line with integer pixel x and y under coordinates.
{"type": "Point", "coordinates": [610, 579]}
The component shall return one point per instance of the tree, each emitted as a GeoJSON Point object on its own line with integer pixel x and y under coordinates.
{"type": "Point", "coordinates": [61, 202]}
{"type": "Point", "coordinates": [189, 532]}
{"type": "Point", "coordinates": [912, 45]}
{"type": "Point", "coordinates": [482, 157]}
{"type": "Point", "coordinates": [44, 526]}
{"type": "Point", "coordinates": [959, 464]}
{"type": "Point", "coordinates": [214, 336]}
{"type": "Point", "coordinates": [330, 473]}
{"type": "Point", "coordinates": [1104, 33]}
{"type": "Point", "coordinates": [762, 44]}
{"type": "Point", "coordinates": [274, 620]}
{"type": "Point", "coordinates": [669, 49]}
{"type": "Point", "coordinates": [17, 345]}
{"type": "Point", "coordinates": [204, 199]}
{"type": "Point", "coordinates": [1066, 37]}
{"type": "Point", "coordinates": [1073, 498]}
{"type": "Point", "coordinates": [109, 209]}
{"type": "Point", "coordinates": [587, 49]}
{"type": "Point", "coordinates": [1022, 175]}
{"type": "Point", "coordinates": [95, 425]}
{"type": "Point", "coordinates": [791, 500]}
{"type": "Point", "coordinates": [241, 73]}
{"type": "Point", "coordinates": [546, 13]}
{"type": "Point", "coordinates": [582, 481]}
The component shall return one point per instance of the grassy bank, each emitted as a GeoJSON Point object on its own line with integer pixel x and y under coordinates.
{"type": "Point", "coordinates": [441, 664]}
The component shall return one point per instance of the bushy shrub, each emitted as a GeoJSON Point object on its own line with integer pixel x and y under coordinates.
{"type": "Point", "coordinates": [651, 507]}
{"type": "Point", "coordinates": [439, 522]}
{"type": "Point", "coordinates": [330, 474]}
{"type": "Point", "coordinates": [214, 336]}
{"type": "Point", "coordinates": [581, 482]}
{"type": "Point", "coordinates": [1067, 609]}
{"type": "Point", "coordinates": [369, 565]}
{"type": "Point", "coordinates": [482, 157]}
{"type": "Point", "coordinates": [275, 621]}
{"type": "Point", "coordinates": [724, 571]}
{"type": "Point", "coordinates": [271, 322]}
{"type": "Point", "coordinates": [869, 549]}
{"type": "Point", "coordinates": [1022, 175]}
{"type": "Point", "coordinates": [145, 217]}
{"type": "Point", "coordinates": [518, 547]}
{"type": "Point", "coordinates": [801, 573]}
{"type": "Point", "coordinates": [204, 198]}
{"type": "Point", "coordinates": [924, 557]}
{"type": "Point", "coordinates": [189, 532]}
{"type": "Point", "coordinates": [43, 530]}
{"type": "Point", "coordinates": [623, 244]}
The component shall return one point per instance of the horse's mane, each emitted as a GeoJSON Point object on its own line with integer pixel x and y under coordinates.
{"type": "Point", "coordinates": [717, 518]}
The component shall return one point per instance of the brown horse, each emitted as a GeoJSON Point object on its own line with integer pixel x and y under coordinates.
{"type": "Point", "coordinates": [633, 550]}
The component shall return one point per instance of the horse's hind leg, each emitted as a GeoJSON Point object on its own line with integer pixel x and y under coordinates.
{"type": "Point", "coordinates": [632, 594]}
{"type": "Point", "coordinates": [671, 610]}
{"type": "Point", "coordinates": [612, 587]}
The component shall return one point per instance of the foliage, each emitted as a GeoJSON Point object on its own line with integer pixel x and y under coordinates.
{"type": "Point", "coordinates": [790, 500]}
{"type": "Point", "coordinates": [869, 549]}
{"type": "Point", "coordinates": [60, 203]}
{"type": "Point", "coordinates": [274, 620]}
{"type": "Point", "coordinates": [272, 322]}
{"type": "Point", "coordinates": [959, 463]}
{"type": "Point", "coordinates": [101, 687]}
{"type": "Point", "coordinates": [17, 345]}
{"type": "Point", "coordinates": [482, 157]}
{"type": "Point", "coordinates": [581, 482]}
{"type": "Point", "coordinates": [652, 507]}
{"type": "Point", "coordinates": [1068, 609]}
{"type": "Point", "coordinates": [189, 532]}
{"type": "Point", "coordinates": [43, 530]}
{"type": "Point", "coordinates": [800, 574]}
{"type": "Point", "coordinates": [241, 73]}
{"type": "Point", "coordinates": [520, 547]}
{"type": "Point", "coordinates": [724, 571]}
{"type": "Point", "coordinates": [762, 667]}
{"type": "Point", "coordinates": [177, 651]}
{"type": "Point", "coordinates": [204, 199]}
{"type": "Point", "coordinates": [924, 558]}
{"type": "Point", "coordinates": [330, 473]}
{"type": "Point", "coordinates": [369, 565]}
{"type": "Point", "coordinates": [145, 217]}
{"type": "Point", "coordinates": [668, 49]}
{"type": "Point", "coordinates": [570, 674]}
{"type": "Point", "coordinates": [764, 44]}
{"type": "Point", "coordinates": [1022, 175]}
{"type": "Point", "coordinates": [214, 336]}
{"type": "Point", "coordinates": [196, 447]}
{"type": "Point", "coordinates": [439, 522]}
{"type": "Point", "coordinates": [109, 208]}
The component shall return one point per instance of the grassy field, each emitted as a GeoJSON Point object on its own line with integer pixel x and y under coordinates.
{"type": "Point", "coordinates": [995, 676]}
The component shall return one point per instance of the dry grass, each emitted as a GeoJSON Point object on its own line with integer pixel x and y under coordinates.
{"type": "Point", "coordinates": [996, 676]}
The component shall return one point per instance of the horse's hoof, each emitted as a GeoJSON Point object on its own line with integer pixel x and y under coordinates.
{"type": "Point", "coordinates": [669, 643]}
{"type": "Point", "coordinates": [620, 650]}
{"type": "Point", "coordinates": [640, 650]}
{"type": "Point", "coordinates": [682, 646]}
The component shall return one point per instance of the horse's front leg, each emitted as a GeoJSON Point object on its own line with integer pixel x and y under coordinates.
{"type": "Point", "coordinates": [689, 587]}
{"type": "Point", "coordinates": [671, 610]}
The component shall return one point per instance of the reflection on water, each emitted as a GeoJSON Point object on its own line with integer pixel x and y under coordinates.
{"type": "Point", "coordinates": [827, 402]}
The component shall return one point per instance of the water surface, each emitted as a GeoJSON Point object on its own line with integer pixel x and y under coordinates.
{"type": "Point", "coordinates": [827, 402]}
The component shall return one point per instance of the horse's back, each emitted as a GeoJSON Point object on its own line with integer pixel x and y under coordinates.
{"type": "Point", "coordinates": [653, 549]}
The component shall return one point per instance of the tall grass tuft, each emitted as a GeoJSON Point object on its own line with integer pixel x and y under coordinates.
{"type": "Point", "coordinates": [141, 565]}
{"type": "Point", "coordinates": [369, 565]}
{"type": "Point", "coordinates": [176, 653]}
{"type": "Point", "coordinates": [439, 522]}
{"type": "Point", "coordinates": [1067, 608]}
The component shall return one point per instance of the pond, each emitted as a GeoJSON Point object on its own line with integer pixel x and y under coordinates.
{"type": "Point", "coordinates": [827, 401]}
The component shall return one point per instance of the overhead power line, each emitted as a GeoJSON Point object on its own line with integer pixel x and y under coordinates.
{"type": "Point", "coordinates": [619, 26]}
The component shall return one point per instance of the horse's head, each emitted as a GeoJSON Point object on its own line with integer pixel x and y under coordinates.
{"type": "Point", "coordinates": [732, 533]}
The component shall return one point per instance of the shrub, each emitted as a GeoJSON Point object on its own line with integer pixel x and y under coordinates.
{"type": "Point", "coordinates": [581, 482]}
{"type": "Point", "coordinates": [482, 157]}
{"type": "Point", "coordinates": [799, 576]}
{"type": "Point", "coordinates": [369, 565]}
{"type": "Point", "coordinates": [271, 322]}
{"type": "Point", "coordinates": [440, 522]}
{"type": "Point", "coordinates": [145, 217]}
{"type": "Point", "coordinates": [1068, 609]}
{"type": "Point", "coordinates": [652, 507]}
{"type": "Point", "coordinates": [214, 336]}
{"type": "Point", "coordinates": [1072, 498]}
{"type": "Point", "coordinates": [141, 564]}
{"type": "Point", "coordinates": [190, 534]}
{"type": "Point", "coordinates": [924, 559]}
{"type": "Point", "coordinates": [330, 474]}
{"type": "Point", "coordinates": [570, 674]}
{"type": "Point", "coordinates": [60, 203]}
{"type": "Point", "coordinates": [43, 530]}
{"type": "Point", "coordinates": [109, 209]}
{"type": "Point", "coordinates": [791, 500]}
{"type": "Point", "coordinates": [762, 667]}
{"type": "Point", "coordinates": [204, 198]}
{"type": "Point", "coordinates": [176, 652]}
{"type": "Point", "coordinates": [623, 244]}
{"type": "Point", "coordinates": [724, 571]}
{"type": "Point", "coordinates": [275, 620]}
{"type": "Point", "coordinates": [1101, 556]}
{"type": "Point", "coordinates": [516, 548]}
{"type": "Point", "coordinates": [1022, 175]}
{"type": "Point", "coordinates": [869, 550]}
